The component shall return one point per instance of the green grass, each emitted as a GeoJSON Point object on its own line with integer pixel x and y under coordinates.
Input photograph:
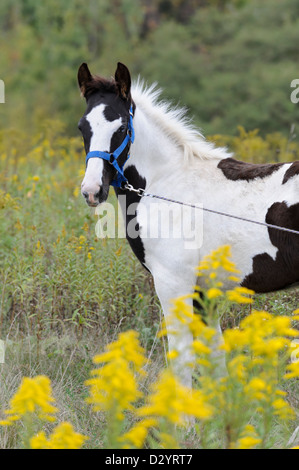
{"type": "Point", "coordinates": [58, 307]}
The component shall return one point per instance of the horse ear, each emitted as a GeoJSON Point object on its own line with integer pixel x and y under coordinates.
{"type": "Point", "coordinates": [123, 80]}
{"type": "Point", "coordinates": [84, 77]}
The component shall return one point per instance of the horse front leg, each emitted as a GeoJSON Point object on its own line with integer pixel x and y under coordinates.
{"type": "Point", "coordinates": [179, 337]}
{"type": "Point", "coordinates": [168, 288]}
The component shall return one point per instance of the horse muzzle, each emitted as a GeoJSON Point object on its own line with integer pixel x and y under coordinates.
{"type": "Point", "coordinates": [94, 197]}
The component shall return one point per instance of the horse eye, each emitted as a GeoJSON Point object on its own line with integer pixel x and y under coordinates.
{"type": "Point", "coordinates": [122, 129]}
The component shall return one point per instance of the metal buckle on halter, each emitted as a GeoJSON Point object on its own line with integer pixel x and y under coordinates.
{"type": "Point", "coordinates": [112, 159]}
{"type": "Point", "coordinates": [129, 187]}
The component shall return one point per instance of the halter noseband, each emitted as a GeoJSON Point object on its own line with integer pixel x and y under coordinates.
{"type": "Point", "coordinates": [119, 178]}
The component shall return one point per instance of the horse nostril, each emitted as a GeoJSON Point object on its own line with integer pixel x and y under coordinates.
{"type": "Point", "coordinates": [85, 195]}
{"type": "Point", "coordinates": [97, 196]}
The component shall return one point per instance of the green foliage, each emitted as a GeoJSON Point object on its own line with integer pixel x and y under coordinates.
{"type": "Point", "coordinates": [230, 62]}
{"type": "Point", "coordinates": [54, 271]}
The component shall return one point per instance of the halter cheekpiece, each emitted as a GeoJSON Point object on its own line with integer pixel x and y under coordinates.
{"type": "Point", "coordinates": [119, 178]}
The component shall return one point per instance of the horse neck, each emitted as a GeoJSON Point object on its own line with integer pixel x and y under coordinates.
{"type": "Point", "coordinates": [153, 152]}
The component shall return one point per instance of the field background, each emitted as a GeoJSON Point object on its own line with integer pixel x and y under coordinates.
{"type": "Point", "coordinates": [65, 294]}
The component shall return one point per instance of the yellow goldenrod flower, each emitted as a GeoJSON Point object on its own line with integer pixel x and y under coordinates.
{"type": "Point", "coordinates": [183, 313]}
{"type": "Point", "coordinates": [172, 355]}
{"type": "Point", "coordinates": [173, 401]}
{"type": "Point", "coordinates": [293, 370]}
{"type": "Point", "coordinates": [128, 347]}
{"type": "Point", "coordinates": [33, 396]}
{"type": "Point", "coordinates": [82, 239]}
{"type": "Point", "coordinates": [6, 200]}
{"type": "Point", "coordinates": [85, 227]}
{"type": "Point", "coordinates": [63, 437]}
{"type": "Point", "coordinates": [249, 438]}
{"type": "Point", "coordinates": [248, 442]}
{"type": "Point", "coordinates": [234, 340]}
{"type": "Point", "coordinates": [200, 348]}
{"type": "Point", "coordinates": [114, 386]}
{"type": "Point", "coordinates": [213, 293]}
{"type": "Point", "coordinates": [237, 368]}
{"type": "Point", "coordinates": [138, 433]}
{"type": "Point", "coordinates": [218, 259]}
{"type": "Point", "coordinates": [256, 389]}
{"type": "Point", "coordinates": [283, 410]}
{"type": "Point", "coordinates": [76, 191]}
{"type": "Point", "coordinates": [236, 295]}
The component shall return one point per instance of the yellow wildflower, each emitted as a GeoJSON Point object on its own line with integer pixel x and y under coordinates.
{"type": "Point", "coordinates": [293, 370]}
{"type": "Point", "coordinates": [256, 389]}
{"type": "Point", "coordinates": [234, 340]}
{"type": "Point", "coordinates": [173, 401]}
{"type": "Point", "coordinates": [172, 355]}
{"type": "Point", "coordinates": [213, 293]}
{"type": "Point", "coordinates": [234, 278]}
{"type": "Point", "coordinates": [237, 367]}
{"type": "Point", "coordinates": [236, 295]}
{"type": "Point", "coordinates": [82, 240]}
{"type": "Point", "coordinates": [200, 348]}
{"type": "Point", "coordinates": [76, 191]}
{"type": "Point", "coordinates": [283, 409]}
{"type": "Point", "coordinates": [138, 433]}
{"type": "Point", "coordinates": [249, 438]}
{"type": "Point", "coordinates": [113, 386]}
{"type": "Point", "coordinates": [33, 396]}
{"type": "Point", "coordinates": [218, 259]}
{"type": "Point", "coordinates": [248, 442]}
{"type": "Point", "coordinates": [127, 346]}
{"type": "Point", "coordinates": [85, 227]}
{"type": "Point", "coordinates": [183, 313]}
{"type": "Point", "coordinates": [63, 437]}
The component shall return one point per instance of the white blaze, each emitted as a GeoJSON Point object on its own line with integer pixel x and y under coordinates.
{"type": "Point", "coordinates": [102, 131]}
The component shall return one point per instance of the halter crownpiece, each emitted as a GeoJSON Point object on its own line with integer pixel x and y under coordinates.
{"type": "Point", "coordinates": [119, 178]}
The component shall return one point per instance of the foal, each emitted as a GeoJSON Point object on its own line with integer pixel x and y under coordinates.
{"type": "Point", "coordinates": [170, 158]}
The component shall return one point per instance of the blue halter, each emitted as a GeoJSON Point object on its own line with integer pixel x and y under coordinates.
{"type": "Point", "coordinates": [120, 178]}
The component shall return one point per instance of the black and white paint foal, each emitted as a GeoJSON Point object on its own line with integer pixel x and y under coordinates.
{"type": "Point", "coordinates": [170, 158]}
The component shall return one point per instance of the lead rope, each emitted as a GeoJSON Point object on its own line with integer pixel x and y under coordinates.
{"type": "Point", "coordinates": [141, 192]}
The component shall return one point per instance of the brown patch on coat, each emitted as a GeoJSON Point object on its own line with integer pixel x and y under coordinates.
{"type": "Point", "coordinates": [236, 170]}
{"type": "Point", "coordinates": [269, 274]}
{"type": "Point", "coordinates": [292, 171]}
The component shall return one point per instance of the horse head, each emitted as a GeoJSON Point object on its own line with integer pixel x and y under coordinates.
{"type": "Point", "coordinates": [106, 127]}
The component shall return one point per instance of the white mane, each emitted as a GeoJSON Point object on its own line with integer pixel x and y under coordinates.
{"type": "Point", "coordinates": [175, 123]}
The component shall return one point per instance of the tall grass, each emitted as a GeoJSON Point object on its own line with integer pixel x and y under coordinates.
{"type": "Point", "coordinates": [64, 293]}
